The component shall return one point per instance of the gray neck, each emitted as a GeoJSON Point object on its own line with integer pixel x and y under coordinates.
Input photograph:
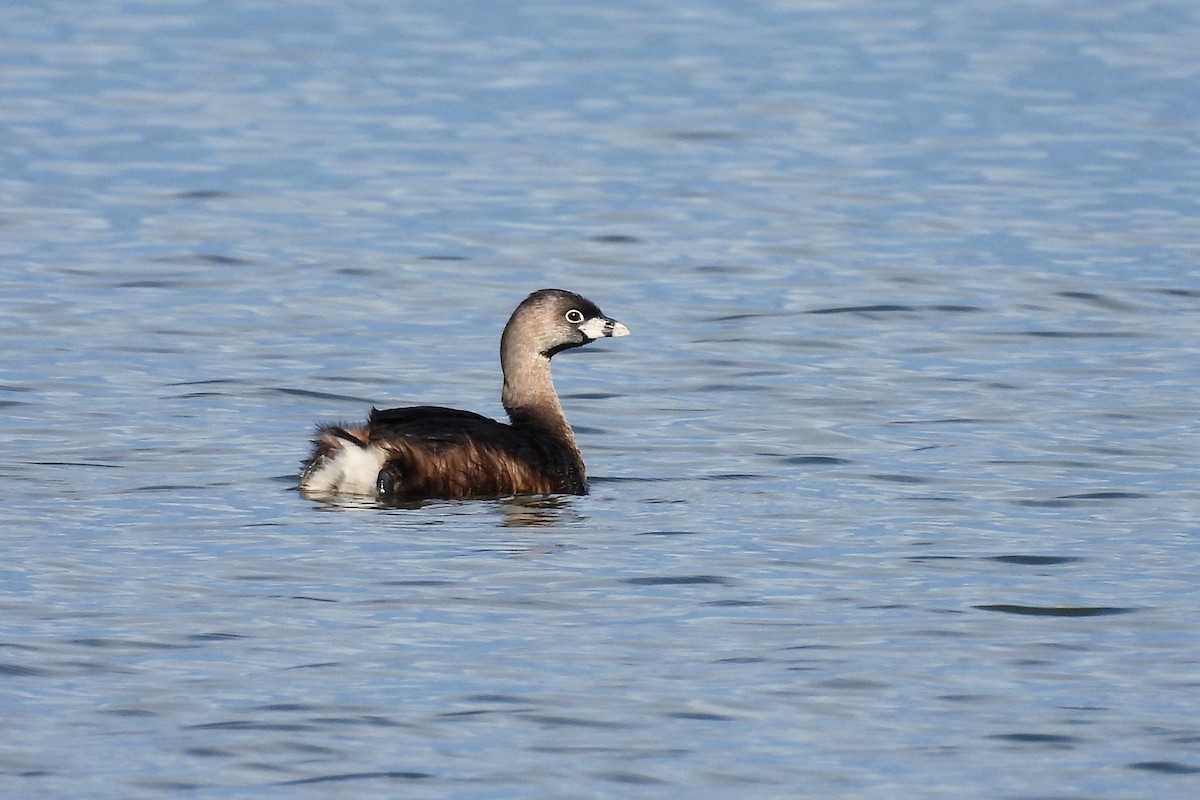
{"type": "Point", "coordinates": [529, 391]}
{"type": "Point", "coordinates": [531, 403]}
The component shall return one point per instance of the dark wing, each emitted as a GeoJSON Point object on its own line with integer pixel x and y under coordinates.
{"type": "Point", "coordinates": [443, 452]}
{"type": "Point", "coordinates": [435, 424]}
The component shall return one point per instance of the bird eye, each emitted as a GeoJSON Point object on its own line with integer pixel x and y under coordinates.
{"type": "Point", "coordinates": [574, 316]}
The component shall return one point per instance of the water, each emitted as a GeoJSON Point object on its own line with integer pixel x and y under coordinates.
{"type": "Point", "coordinates": [894, 483]}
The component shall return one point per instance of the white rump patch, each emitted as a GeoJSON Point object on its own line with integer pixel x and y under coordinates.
{"type": "Point", "coordinates": [353, 470]}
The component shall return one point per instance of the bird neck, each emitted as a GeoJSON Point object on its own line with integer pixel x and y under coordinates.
{"type": "Point", "coordinates": [531, 402]}
{"type": "Point", "coordinates": [528, 388]}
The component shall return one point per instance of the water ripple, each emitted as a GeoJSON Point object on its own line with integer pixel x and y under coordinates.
{"type": "Point", "coordinates": [1055, 611]}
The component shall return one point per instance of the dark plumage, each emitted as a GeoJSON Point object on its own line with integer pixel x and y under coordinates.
{"type": "Point", "coordinates": [430, 451]}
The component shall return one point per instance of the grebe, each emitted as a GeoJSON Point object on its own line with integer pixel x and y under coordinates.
{"type": "Point", "coordinates": [425, 452]}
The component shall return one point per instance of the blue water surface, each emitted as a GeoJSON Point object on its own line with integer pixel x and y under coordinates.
{"type": "Point", "coordinates": [893, 486]}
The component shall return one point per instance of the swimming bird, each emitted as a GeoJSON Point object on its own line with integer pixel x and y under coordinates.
{"type": "Point", "coordinates": [424, 452]}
